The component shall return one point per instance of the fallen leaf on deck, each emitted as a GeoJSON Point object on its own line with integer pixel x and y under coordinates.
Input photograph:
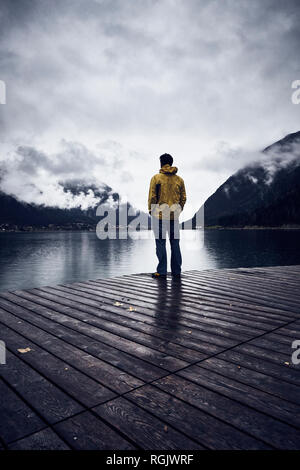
{"type": "Point", "coordinates": [131, 309]}
{"type": "Point", "coordinates": [118, 304]}
{"type": "Point", "coordinates": [287, 363]}
{"type": "Point", "coordinates": [23, 351]}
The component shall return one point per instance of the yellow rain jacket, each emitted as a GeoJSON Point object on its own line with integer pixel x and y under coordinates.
{"type": "Point", "coordinates": [167, 194]}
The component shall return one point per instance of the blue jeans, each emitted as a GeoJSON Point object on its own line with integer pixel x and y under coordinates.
{"type": "Point", "coordinates": [161, 228]}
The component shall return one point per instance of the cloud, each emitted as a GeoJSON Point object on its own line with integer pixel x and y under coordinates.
{"type": "Point", "coordinates": [271, 161]}
{"type": "Point", "coordinates": [33, 176]}
{"type": "Point", "coordinates": [192, 78]}
{"type": "Point", "coordinates": [281, 157]}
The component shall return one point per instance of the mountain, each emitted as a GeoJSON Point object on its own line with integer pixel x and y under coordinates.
{"type": "Point", "coordinates": [266, 193]}
{"type": "Point", "coordinates": [16, 214]}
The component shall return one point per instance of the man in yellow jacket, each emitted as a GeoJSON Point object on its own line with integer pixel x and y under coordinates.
{"type": "Point", "coordinates": [166, 201]}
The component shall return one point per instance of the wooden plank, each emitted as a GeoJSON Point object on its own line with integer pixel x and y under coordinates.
{"type": "Point", "coordinates": [220, 304]}
{"type": "Point", "coordinates": [227, 310]}
{"type": "Point", "coordinates": [249, 296]}
{"type": "Point", "coordinates": [193, 291]}
{"type": "Point", "coordinates": [263, 271]}
{"type": "Point", "coordinates": [208, 430]}
{"type": "Point", "coordinates": [258, 380]}
{"type": "Point", "coordinates": [122, 344]}
{"type": "Point", "coordinates": [275, 357]}
{"type": "Point", "coordinates": [167, 314]}
{"type": "Point", "coordinates": [246, 280]}
{"type": "Point", "coordinates": [275, 344]}
{"type": "Point", "coordinates": [45, 398]}
{"type": "Point", "coordinates": [46, 439]}
{"type": "Point", "coordinates": [79, 334]}
{"type": "Point", "coordinates": [55, 324]}
{"type": "Point", "coordinates": [282, 372]}
{"type": "Point", "coordinates": [279, 340]}
{"type": "Point", "coordinates": [245, 283]}
{"type": "Point", "coordinates": [235, 329]}
{"type": "Point", "coordinates": [111, 377]}
{"type": "Point", "coordinates": [87, 432]}
{"type": "Point", "coordinates": [210, 285]}
{"type": "Point", "coordinates": [226, 334]}
{"type": "Point", "coordinates": [269, 274]}
{"type": "Point", "coordinates": [90, 313]}
{"type": "Point", "coordinates": [278, 273]}
{"type": "Point", "coordinates": [78, 385]}
{"type": "Point", "coordinates": [291, 330]}
{"type": "Point", "coordinates": [171, 304]}
{"type": "Point", "coordinates": [182, 336]}
{"type": "Point", "coordinates": [17, 419]}
{"type": "Point", "coordinates": [149, 432]}
{"type": "Point", "coordinates": [281, 336]}
{"type": "Point", "coordinates": [255, 423]}
{"type": "Point", "coordinates": [250, 396]}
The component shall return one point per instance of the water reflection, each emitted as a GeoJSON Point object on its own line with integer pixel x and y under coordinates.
{"type": "Point", "coordinates": [248, 248]}
{"type": "Point", "coordinates": [35, 259]}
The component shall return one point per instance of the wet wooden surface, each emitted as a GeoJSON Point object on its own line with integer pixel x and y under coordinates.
{"type": "Point", "coordinates": [136, 363]}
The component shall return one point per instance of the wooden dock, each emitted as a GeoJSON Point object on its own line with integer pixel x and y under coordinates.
{"type": "Point", "coordinates": [135, 363]}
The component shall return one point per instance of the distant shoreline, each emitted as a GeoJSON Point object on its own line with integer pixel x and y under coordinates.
{"type": "Point", "coordinates": [255, 227]}
{"type": "Point", "coordinates": [219, 228]}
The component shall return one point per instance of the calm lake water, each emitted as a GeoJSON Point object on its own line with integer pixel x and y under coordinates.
{"type": "Point", "coordinates": [47, 258]}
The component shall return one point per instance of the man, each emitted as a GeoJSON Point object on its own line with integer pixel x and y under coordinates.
{"type": "Point", "coordinates": [166, 200]}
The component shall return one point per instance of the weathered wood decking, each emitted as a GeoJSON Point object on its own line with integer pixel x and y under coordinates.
{"type": "Point", "coordinates": [135, 363]}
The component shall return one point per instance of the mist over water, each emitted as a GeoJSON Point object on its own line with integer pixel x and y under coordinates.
{"type": "Point", "coordinates": [48, 258]}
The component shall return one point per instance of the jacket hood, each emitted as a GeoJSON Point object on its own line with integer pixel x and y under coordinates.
{"type": "Point", "coordinates": [168, 170]}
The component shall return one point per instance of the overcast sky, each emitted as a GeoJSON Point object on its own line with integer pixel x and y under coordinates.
{"type": "Point", "coordinates": [100, 88]}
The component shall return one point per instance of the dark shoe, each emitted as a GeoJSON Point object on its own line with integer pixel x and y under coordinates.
{"type": "Point", "coordinates": [159, 276]}
{"type": "Point", "coordinates": [176, 276]}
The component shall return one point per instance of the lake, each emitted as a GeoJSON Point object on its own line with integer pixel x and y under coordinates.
{"type": "Point", "coordinates": [48, 258]}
